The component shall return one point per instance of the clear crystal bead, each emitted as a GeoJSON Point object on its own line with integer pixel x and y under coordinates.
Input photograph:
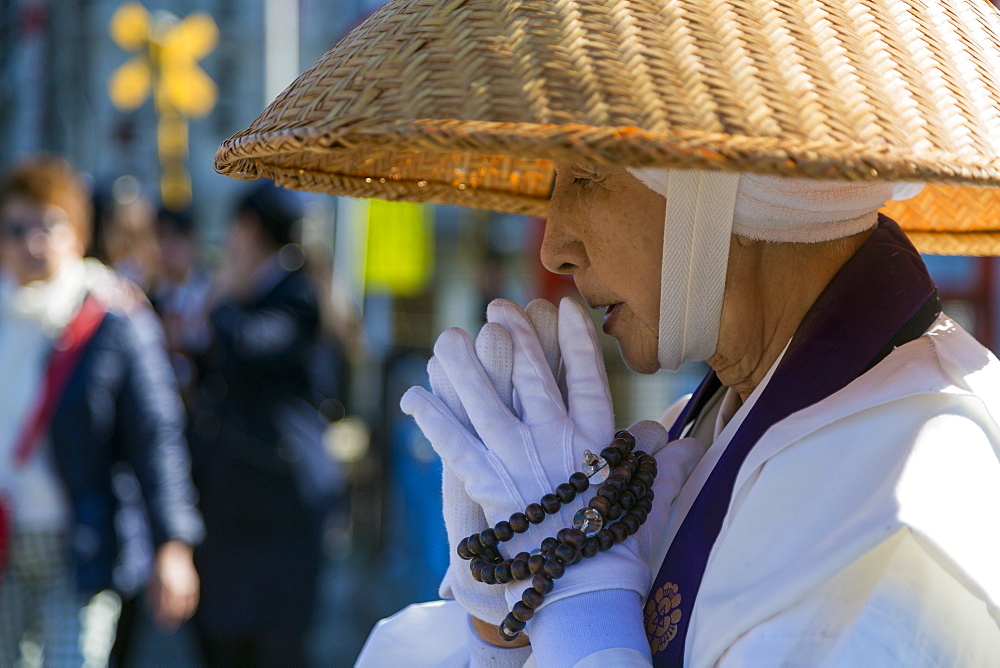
{"type": "Point", "coordinates": [594, 467]}
{"type": "Point", "coordinates": [589, 521]}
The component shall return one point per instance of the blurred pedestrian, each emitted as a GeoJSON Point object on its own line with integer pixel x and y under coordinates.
{"type": "Point", "coordinates": [125, 233]}
{"type": "Point", "coordinates": [180, 293]}
{"type": "Point", "coordinates": [265, 480]}
{"type": "Point", "coordinates": [89, 389]}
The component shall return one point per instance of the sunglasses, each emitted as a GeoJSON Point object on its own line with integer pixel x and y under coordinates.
{"type": "Point", "coordinates": [20, 230]}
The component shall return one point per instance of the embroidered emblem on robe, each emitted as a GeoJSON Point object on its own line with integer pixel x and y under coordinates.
{"type": "Point", "coordinates": [662, 613]}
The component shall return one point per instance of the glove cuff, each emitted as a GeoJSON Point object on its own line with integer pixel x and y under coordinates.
{"type": "Point", "coordinates": [598, 623]}
{"type": "Point", "coordinates": [485, 603]}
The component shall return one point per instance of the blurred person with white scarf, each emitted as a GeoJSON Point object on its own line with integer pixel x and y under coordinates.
{"type": "Point", "coordinates": [88, 387]}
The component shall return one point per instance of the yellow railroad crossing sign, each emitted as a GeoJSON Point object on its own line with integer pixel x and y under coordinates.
{"type": "Point", "coordinates": [167, 63]}
{"type": "Point", "coordinates": [166, 66]}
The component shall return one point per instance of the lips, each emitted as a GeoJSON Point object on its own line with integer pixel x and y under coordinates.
{"type": "Point", "coordinates": [610, 313]}
{"type": "Point", "coordinates": [611, 309]}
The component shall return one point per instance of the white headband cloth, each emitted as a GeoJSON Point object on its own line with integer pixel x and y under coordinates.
{"type": "Point", "coordinates": [775, 208]}
{"type": "Point", "coordinates": [704, 208]}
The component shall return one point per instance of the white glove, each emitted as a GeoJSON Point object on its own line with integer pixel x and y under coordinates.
{"type": "Point", "coordinates": [462, 515]}
{"type": "Point", "coordinates": [513, 459]}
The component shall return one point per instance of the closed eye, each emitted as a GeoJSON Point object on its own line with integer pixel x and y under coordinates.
{"type": "Point", "coordinates": [585, 176]}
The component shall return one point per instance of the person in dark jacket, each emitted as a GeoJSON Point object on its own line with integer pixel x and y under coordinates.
{"type": "Point", "coordinates": [87, 389]}
{"type": "Point", "coordinates": [265, 480]}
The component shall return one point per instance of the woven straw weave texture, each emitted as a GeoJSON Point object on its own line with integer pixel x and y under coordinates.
{"type": "Point", "coordinates": [469, 102]}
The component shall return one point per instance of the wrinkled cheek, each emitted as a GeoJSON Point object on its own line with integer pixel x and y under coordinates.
{"type": "Point", "coordinates": [639, 351]}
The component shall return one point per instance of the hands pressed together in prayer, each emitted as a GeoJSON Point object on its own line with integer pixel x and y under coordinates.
{"type": "Point", "coordinates": [511, 415]}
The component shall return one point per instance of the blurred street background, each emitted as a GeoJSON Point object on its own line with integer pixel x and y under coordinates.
{"type": "Point", "coordinates": [139, 96]}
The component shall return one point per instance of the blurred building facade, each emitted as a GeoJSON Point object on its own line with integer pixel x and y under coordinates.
{"type": "Point", "coordinates": [56, 58]}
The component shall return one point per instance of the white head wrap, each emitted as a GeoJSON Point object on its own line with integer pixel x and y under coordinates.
{"type": "Point", "coordinates": [704, 208]}
{"type": "Point", "coordinates": [773, 208]}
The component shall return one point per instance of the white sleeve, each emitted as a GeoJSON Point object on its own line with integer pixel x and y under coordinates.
{"type": "Point", "coordinates": [616, 658]}
{"type": "Point", "coordinates": [419, 636]}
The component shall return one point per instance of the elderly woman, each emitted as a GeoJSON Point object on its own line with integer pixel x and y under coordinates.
{"type": "Point", "coordinates": [817, 524]}
{"type": "Point", "coordinates": [827, 494]}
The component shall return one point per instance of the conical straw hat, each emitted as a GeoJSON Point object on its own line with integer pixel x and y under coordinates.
{"type": "Point", "coordinates": [470, 101]}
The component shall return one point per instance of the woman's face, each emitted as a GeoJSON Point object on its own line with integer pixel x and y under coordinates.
{"type": "Point", "coordinates": [35, 240]}
{"type": "Point", "coordinates": [605, 228]}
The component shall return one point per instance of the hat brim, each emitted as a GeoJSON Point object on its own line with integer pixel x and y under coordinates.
{"type": "Point", "coordinates": [470, 103]}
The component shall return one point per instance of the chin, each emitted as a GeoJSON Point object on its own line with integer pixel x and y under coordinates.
{"type": "Point", "coordinates": [639, 361]}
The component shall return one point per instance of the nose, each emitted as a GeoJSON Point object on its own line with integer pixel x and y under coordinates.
{"type": "Point", "coordinates": [37, 244]}
{"type": "Point", "coordinates": [563, 251]}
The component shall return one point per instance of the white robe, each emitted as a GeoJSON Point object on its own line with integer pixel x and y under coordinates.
{"type": "Point", "coordinates": [863, 530]}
